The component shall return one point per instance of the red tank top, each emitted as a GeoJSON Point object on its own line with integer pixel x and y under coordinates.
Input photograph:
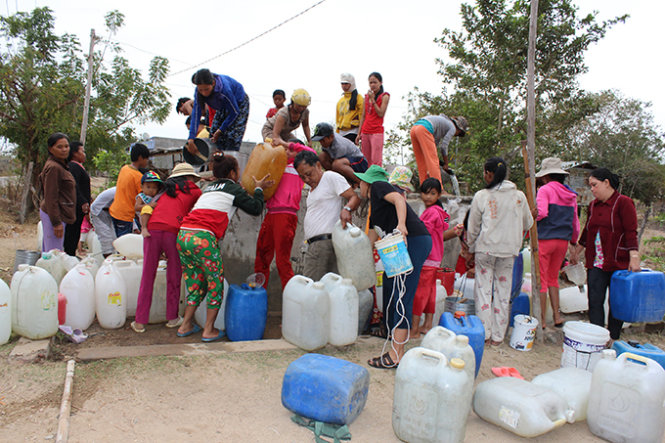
{"type": "Point", "coordinates": [373, 124]}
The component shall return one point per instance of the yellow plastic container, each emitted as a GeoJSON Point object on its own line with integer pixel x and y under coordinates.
{"type": "Point", "coordinates": [264, 159]}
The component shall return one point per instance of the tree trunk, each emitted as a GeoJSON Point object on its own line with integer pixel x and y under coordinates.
{"type": "Point", "coordinates": [647, 213]}
{"type": "Point", "coordinates": [27, 184]}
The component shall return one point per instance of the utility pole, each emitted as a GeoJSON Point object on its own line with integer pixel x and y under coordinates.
{"type": "Point", "coordinates": [86, 103]}
{"type": "Point", "coordinates": [531, 157]}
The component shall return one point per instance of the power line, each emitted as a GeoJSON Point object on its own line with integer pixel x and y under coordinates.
{"type": "Point", "coordinates": [250, 40]}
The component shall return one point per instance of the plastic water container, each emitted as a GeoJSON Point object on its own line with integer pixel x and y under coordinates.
{"type": "Point", "coordinates": [5, 313]}
{"type": "Point", "coordinates": [394, 255]}
{"type": "Point", "coordinates": [202, 310]}
{"type": "Point", "coordinates": [451, 345]}
{"type": "Point", "coordinates": [524, 332]}
{"type": "Point", "coordinates": [645, 350]}
{"type": "Point", "coordinates": [264, 159]}
{"type": "Point", "coordinates": [519, 305]}
{"type": "Point", "coordinates": [78, 286]}
{"type": "Point", "coordinates": [432, 398]}
{"type": "Point", "coordinates": [130, 271]}
{"type": "Point", "coordinates": [355, 258]}
{"type": "Point", "coordinates": [95, 247]}
{"type": "Point", "coordinates": [68, 262]}
{"type": "Point", "coordinates": [52, 262]}
{"type": "Point", "coordinates": [158, 306]}
{"type": "Point", "coordinates": [365, 306]}
{"type": "Point", "coordinates": [91, 264]}
{"type": "Point", "coordinates": [343, 309]}
{"type": "Point", "coordinates": [472, 327]}
{"type": "Point", "coordinates": [576, 274]}
{"type": "Point", "coordinates": [440, 305]}
{"type": "Point", "coordinates": [573, 299]}
{"type": "Point", "coordinates": [526, 259]}
{"type": "Point", "coordinates": [638, 296]}
{"type": "Point", "coordinates": [521, 407]}
{"type": "Point", "coordinates": [305, 313]}
{"type": "Point", "coordinates": [34, 303]}
{"type": "Point", "coordinates": [582, 343]}
{"type": "Point", "coordinates": [518, 275]}
{"type": "Point", "coordinates": [246, 312]}
{"type": "Point", "coordinates": [463, 287]}
{"type": "Point", "coordinates": [129, 245]}
{"type": "Point", "coordinates": [110, 296]}
{"type": "Point", "coordinates": [325, 388]}
{"type": "Point", "coordinates": [627, 400]}
{"type": "Point", "coordinates": [572, 384]}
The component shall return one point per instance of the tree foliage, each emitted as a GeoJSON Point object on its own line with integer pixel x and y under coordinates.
{"type": "Point", "coordinates": [42, 88]}
{"type": "Point", "coordinates": [484, 78]}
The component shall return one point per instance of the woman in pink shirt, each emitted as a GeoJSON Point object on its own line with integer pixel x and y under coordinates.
{"type": "Point", "coordinates": [371, 120]}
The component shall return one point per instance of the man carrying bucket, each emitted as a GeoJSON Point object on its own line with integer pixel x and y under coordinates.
{"type": "Point", "coordinates": [325, 203]}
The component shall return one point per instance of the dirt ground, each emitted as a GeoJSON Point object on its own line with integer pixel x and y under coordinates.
{"type": "Point", "coordinates": [214, 397]}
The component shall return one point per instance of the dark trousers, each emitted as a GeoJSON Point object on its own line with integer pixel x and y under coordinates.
{"type": "Point", "coordinates": [122, 227]}
{"type": "Point", "coordinates": [72, 235]}
{"type": "Point", "coordinates": [598, 283]}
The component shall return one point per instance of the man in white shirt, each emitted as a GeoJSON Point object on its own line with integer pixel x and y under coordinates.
{"type": "Point", "coordinates": [325, 204]}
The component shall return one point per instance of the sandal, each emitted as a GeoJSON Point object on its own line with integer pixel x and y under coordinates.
{"type": "Point", "coordinates": [383, 362]}
{"type": "Point", "coordinates": [135, 327]}
{"type": "Point", "coordinates": [174, 323]}
{"type": "Point", "coordinates": [379, 331]}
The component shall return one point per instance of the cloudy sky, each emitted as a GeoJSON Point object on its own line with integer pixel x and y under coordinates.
{"type": "Point", "coordinates": [392, 37]}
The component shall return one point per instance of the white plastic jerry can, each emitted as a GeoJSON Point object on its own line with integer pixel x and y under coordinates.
{"type": "Point", "coordinates": [305, 313]}
{"type": "Point", "coordinates": [572, 384]}
{"type": "Point", "coordinates": [627, 399]}
{"type": "Point", "coordinates": [440, 305]}
{"type": "Point", "coordinates": [5, 313]}
{"type": "Point", "coordinates": [129, 245]}
{"type": "Point", "coordinates": [355, 259]}
{"type": "Point", "coordinates": [34, 303]}
{"type": "Point", "coordinates": [520, 407]}
{"type": "Point", "coordinates": [343, 313]}
{"type": "Point", "coordinates": [130, 271]}
{"type": "Point", "coordinates": [451, 345]}
{"type": "Point", "coordinates": [78, 286]}
{"type": "Point", "coordinates": [432, 397]}
{"type": "Point", "coordinates": [110, 296]}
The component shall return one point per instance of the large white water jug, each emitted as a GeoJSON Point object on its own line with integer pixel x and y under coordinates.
{"type": "Point", "coordinates": [365, 306]}
{"type": "Point", "coordinates": [158, 305]}
{"type": "Point", "coordinates": [305, 313]}
{"type": "Point", "coordinates": [440, 305]}
{"type": "Point", "coordinates": [201, 311]}
{"type": "Point", "coordinates": [520, 407]}
{"type": "Point", "coordinates": [34, 303]}
{"type": "Point", "coordinates": [68, 262]}
{"type": "Point", "coordinates": [110, 296]}
{"type": "Point", "coordinates": [5, 313]}
{"type": "Point", "coordinates": [355, 259]}
{"type": "Point", "coordinates": [582, 344]}
{"type": "Point", "coordinates": [91, 264]}
{"type": "Point", "coordinates": [627, 400]}
{"type": "Point", "coordinates": [572, 384]}
{"type": "Point", "coordinates": [130, 271]}
{"type": "Point", "coordinates": [78, 286]}
{"type": "Point", "coordinates": [129, 245]}
{"type": "Point", "coordinates": [95, 247]}
{"type": "Point", "coordinates": [432, 397]}
{"type": "Point", "coordinates": [451, 345]}
{"type": "Point", "coordinates": [343, 309]}
{"type": "Point", "coordinates": [52, 262]}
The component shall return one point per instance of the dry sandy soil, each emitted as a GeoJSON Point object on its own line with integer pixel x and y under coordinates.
{"type": "Point", "coordinates": [213, 397]}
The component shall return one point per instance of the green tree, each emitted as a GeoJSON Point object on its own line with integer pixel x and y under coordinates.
{"type": "Point", "coordinates": [42, 88]}
{"type": "Point", "coordinates": [623, 137]}
{"type": "Point", "coordinates": [485, 79]}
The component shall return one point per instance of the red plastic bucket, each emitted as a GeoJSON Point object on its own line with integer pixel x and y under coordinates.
{"type": "Point", "coordinates": [447, 277]}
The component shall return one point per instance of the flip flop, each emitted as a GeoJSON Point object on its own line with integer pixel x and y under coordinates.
{"type": "Point", "coordinates": [558, 325]}
{"type": "Point", "coordinates": [504, 371]}
{"type": "Point", "coordinates": [194, 330]}
{"type": "Point", "coordinates": [383, 362]}
{"type": "Point", "coordinates": [135, 328]}
{"type": "Point", "coordinates": [211, 339]}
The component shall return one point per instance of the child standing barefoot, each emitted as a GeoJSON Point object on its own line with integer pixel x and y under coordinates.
{"type": "Point", "coordinates": [436, 221]}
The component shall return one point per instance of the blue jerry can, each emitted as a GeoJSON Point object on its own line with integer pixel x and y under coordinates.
{"type": "Point", "coordinates": [246, 312]}
{"type": "Point", "coordinates": [646, 350]}
{"type": "Point", "coordinates": [638, 296]}
{"type": "Point", "coordinates": [470, 326]}
{"type": "Point", "coordinates": [519, 305]}
{"type": "Point", "coordinates": [325, 388]}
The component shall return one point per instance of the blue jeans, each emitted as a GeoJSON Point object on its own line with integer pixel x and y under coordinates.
{"type": "Point", "coordinates": [122, 227]}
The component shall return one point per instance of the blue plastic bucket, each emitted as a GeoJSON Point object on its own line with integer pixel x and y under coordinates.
{"type": "Point", "coordinates": [394, 255]}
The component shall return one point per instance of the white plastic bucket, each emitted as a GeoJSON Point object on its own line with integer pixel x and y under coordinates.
{"type": "Point", "coordinates": [524, 332]}
{"type": "Point", "coordinates": [582, 344]}
{"type": "Point", "coordinates": [394, 255]}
